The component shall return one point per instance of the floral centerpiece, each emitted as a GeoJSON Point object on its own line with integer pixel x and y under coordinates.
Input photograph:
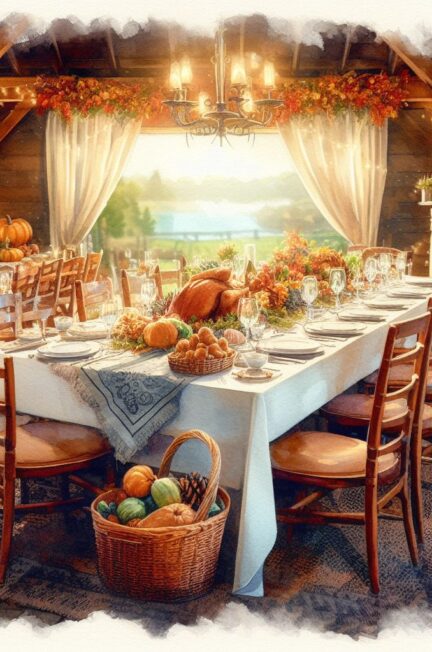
{"type": "Point", "coordinates": [278, 283]}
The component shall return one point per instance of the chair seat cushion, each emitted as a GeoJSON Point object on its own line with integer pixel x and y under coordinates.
{"type": "Point", "coordinates": [325, 455]}
{"type": "Point", "coordinates": [54, 443]}
{"type": "Point", "coordinates": [358, 408]}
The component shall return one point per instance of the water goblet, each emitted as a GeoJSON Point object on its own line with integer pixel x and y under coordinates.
{"type": "Point", "coordinates": [400, 264]}
{"type": "Point", "coordinates": [337, 282]}
{"type": "Point", "coordinates": [43, 311]}
{"type": "Point", "coordinates": [148, 294]}
{"type": "Point", "coordinates": [248, 312]}
{"type": "Point", "coordinates": [109, 314]}
{"type": "Point", "coordinates": [370, 271]}
{"type": "Point", "coordinates": [238, 266]}
{"type": "Point", "coordinates": [309, 292]}
{"type": "Point", "coordinates": [257, 331]}
{"type": "Point", "coordinates": [384, 265]}
{"type": "Point", "coordinates": [357, 283]}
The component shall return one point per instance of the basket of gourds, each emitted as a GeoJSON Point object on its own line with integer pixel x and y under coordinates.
{"type": "Point", "coordinates": [170, 554]}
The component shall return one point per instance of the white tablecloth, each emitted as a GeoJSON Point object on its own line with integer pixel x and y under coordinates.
{"type": "Point", "coordinates": [243, 418]}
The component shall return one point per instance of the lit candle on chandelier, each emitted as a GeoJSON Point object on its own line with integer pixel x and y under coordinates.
{"type": "Point", "coordinates": [202, 103]}
{"type": "Point", "coordinates": [248, 104]}
{"type": "Point", "coordinates": [238, 73]}
{"type": "Point", "coordinates": [175, 76]}
{"type": "Point", "coordinates": [269, 75]}
{"type": "Point", "coordinates": [185, 71]}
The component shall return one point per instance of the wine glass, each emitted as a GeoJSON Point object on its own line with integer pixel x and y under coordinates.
{"type": "Point", "coordinates": [400, 264]}
{"type": "Point", "coordinates": [148, 293]}
{"type": "Point", "coordinates": [357, 283]}
{"type": "Point", "coordinates": [370, 271]}
{"type": "Point", "coordinates": [149, 262]}
{"type": "Point", "coordinates": [238, 266]}
{"type": "Point", "coordinates": [337, 281]}
{"type": "Point", "coordinates": [257, 331]}
{"type": "Point", "coordinates": [384, 264]}
{"type": "Point", "coordinates": [43, 311]}
{"type": "Point", "coordinates": [248, 313]}
{"type": "Point", "coordinates": [309, 292]}
{"type": "Point", "coordinates": [109, 314]}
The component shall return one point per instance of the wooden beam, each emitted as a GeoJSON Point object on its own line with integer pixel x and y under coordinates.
{"type": "Point", "coordinates": [9, 34]}
{"type": "Point", "coordinates": [392, 61]}
{"type": "Point", "coordinates": [421, 66]}
{"type": "Point", "coordinates": [347, 48]}
{"type": "Point", "coordinates": [13, 118]}
{"type": "Point", "coordinates": [295, 57]}
{"type": "Point", "coordinates": [59, 59]}
{"type": "Point", "coordinates": [111, 51]}
{"type": "Point", "coordinates": [13, 61]}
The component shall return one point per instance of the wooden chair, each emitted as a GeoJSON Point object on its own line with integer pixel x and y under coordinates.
{"type": "Point", "coordinates": [375, 251]}
{"type": "Point", "coordinates": [14, 315]}
{"type": "Point", "coordinates": [72, 270]}
{"type": "Point", "coordinates": [175, 275]}
{"type": "Point", "coordinates": [92, 264]}
{"type": "Point", "coordinates": [328, 461]}
{"type": "Point", "coordinates": [40, 450]}
{"type": "Point", "coordinates": [26, 281]}
{"type": "Point", "coordinates": [49, 283]}
{"type": "Point", "coordinates": [91, 296]}
{"type": "Point", "coordinates": [131, 287]}
{"type": "Point", "coordinates": [354, 411]}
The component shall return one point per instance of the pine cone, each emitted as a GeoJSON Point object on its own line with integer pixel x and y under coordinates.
{"type": "Point", "coordinates": [193, 487]}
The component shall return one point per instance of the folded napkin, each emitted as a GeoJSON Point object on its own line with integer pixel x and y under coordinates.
{"type": "Point", "coordinates": [87, 330]}
{"type": "Point", "coordinates": [17, 345]}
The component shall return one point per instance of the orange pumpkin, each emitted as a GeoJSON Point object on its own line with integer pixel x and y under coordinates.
{"type": "Point", "coordinates": [169, 516]}
{"type": "Point", "coordinates": [161, 334]}
{"type": "Point", "coordinates": [138, 480]}
{"type": "Point", "coordinates": [18, 231]}
{"type": "Point", "coordinates": [11, 255]}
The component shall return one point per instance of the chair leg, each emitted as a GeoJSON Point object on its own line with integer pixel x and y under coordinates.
{"type": "Point", "coordinates": [408, 523]}
{"type": "Point", "coordinates": [7, 527]}
{"type": "Point", "coordinates": [371, 527]}
{"type": "Point", "coordinates": [416, 495]}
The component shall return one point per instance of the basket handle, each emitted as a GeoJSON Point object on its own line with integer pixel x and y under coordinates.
{"type": "Point", "coordinates": [213, 480]}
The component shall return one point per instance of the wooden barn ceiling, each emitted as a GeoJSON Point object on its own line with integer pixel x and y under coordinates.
{"type": "Point", "coordinates": [68, 48]}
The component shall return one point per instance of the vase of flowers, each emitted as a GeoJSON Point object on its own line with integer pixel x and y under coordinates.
{"type": "Point", "coordinates": [424, 184]}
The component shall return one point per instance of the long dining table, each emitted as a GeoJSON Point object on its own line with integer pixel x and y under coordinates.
{"type": "Point", "coordinates": [242, 417]}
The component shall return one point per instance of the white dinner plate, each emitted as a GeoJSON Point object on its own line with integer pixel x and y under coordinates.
{"type": "Point", "coordinates": [65, 349]}
{"type": "Point", "coordinates": [418, 281]}
{"type": "Point", "coordinates": [281, 346]}
{"type": "Point", "coordinates": [94, 347]}
{"type": "Point", "coordinates": [386, 304]}
{"type": "Point", "coordinates": [334, 328]}
{"type": "Point", "coordinates": [255, 375]}
{"type": "Point", "coordinates": [410, 293]}
{"type": "Point", "coordinates": [360, 314]}
{"type": "Point", "coordinates": [32, 335]}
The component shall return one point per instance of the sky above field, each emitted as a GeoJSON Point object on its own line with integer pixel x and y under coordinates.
{"type": "Point", "coordinates": [241, 159]}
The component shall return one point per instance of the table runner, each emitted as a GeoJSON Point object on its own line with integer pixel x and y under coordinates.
{"type": "Point", "coordinates": [133, 396]}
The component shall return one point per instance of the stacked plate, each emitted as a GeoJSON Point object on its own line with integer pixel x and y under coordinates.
{"type": "Point", "coordinates": [419, 281]}
{"type": "Point", "coordinates": [87, 330]}
{"type": "Point", "coordinates": [285, 348]}
{"type": "Point", "coordinates": [362, 314]}
{"type": "Point", "coordinates": [334, 328]}
{"type": "Point", "coordinates": [410, 293]}
{"type": "Point", "coordinates": [386, 303]}
{"type": "Point", "coordinates": [68, 350]}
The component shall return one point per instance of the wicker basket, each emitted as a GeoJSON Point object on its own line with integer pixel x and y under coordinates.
{"type": "Point", "coordinates": [200, 367]}
{"type": "Point", "coordinates": [170, 563]}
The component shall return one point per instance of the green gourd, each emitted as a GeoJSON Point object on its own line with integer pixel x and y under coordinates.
{"type": "Point", "coordinates": [103, 509]}
{"type": "Point", "coordinates": [165, 491]}
{"type": "Point", "coordinates": [150, 505]}
{"type": "Point", "coordinates": [184, 330]}
{"type": "Point", "coordinates": [130, 508]}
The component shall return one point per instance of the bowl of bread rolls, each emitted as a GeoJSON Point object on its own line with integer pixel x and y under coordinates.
{"type": "Point", "coordinates": [202, 353]}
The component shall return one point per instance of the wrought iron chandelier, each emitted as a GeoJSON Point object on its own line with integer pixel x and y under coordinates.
{"type": "Point", "coordinates": [204, 117]}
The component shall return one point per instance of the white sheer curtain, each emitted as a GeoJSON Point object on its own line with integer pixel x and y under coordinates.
{"type": "Point", "coordinates": [85, 160]}
{"type": "Point", "coordinates": [342, 163]}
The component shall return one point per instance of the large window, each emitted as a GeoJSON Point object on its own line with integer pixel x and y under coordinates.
{"type": "Point", "coordinates": [189, 198]}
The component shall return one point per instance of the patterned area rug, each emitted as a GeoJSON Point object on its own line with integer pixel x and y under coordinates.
{"type": "Point", "coordinates": [320, 576]}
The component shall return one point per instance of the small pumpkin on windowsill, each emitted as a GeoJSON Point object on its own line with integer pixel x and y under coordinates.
{"type": "Point", "coordinates": [10, 254]}
{"type": "Point", "coordinates": [17, 230]}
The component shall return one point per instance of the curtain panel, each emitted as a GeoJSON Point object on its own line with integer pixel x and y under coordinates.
{"type": "Point", "coordinates": [85, 160]}
{"type": "Point", "coordinates": [342, 163]}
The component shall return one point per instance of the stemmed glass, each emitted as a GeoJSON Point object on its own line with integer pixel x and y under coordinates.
{"type": "Point", "coordinates": [43, 311]}
{"type": "Point", "coordinates": [384, 264]}
{"type": "Point", "coordinates": [337, 281]}
{"type": "Point", "coordinates": [357, 283]}
{"type": "Point", "coordinates": [257, 331]}
{"type": "Point", "coordinates": [238, 266]}
{"type": "Point", "coordinates": [109, 314]}
{"type": "Point", "coordinates": [248, 312]}
{"type": "Point", "coordinates": [148, 293]}
{"type": "Point", "coordinates": [309, 292]}
{"type": "Point", "coordinates": [149, 262]}
{"type": "Point", "coordinates": [370, 271]}
{"type": "Point", "coordinates": [400, 264]}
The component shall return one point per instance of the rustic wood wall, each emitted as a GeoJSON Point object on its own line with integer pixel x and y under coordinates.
{"type": "Point", "coordinates": [404, 223]}
{"type": "Point", "coordinates": [22, 176]}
